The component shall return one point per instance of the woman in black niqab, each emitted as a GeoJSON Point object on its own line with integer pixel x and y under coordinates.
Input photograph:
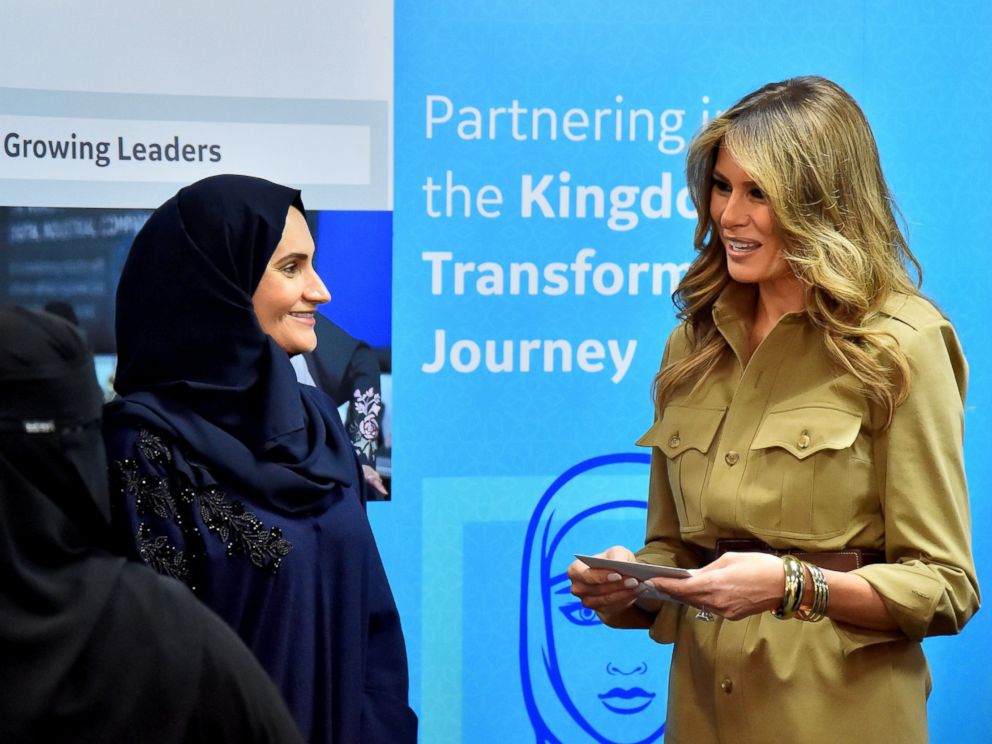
{"type": "Point", "coordinates": [94, 648]}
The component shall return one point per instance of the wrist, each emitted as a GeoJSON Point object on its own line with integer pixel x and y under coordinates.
{"type": "Point", "coordinates": [795, 585]}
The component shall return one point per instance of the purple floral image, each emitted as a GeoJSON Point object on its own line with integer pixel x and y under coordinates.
{"type": "Point", "coordinates": [368, 405]}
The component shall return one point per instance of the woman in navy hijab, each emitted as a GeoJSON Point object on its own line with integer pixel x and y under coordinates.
{"type": "Point", "coordinates": [231, 476]}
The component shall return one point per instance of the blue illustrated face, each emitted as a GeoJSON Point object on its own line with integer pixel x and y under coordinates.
{"type": "Point", "coordinates": [599, 683]}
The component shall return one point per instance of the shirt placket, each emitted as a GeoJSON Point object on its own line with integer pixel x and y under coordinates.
{"type": "Point", "coordinates": [745, 412]}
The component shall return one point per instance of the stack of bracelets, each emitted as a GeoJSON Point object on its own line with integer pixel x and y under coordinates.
{"type": "Point", "coordinates": [795, 586]}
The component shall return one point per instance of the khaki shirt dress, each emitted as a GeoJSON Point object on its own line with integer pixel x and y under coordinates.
{"type": "Point", "coordinates": [786, 450]}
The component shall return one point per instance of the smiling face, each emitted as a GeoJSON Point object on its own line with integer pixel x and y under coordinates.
{"type": "Point", "coordinates": [747, 229]}
{"type": "Point", "coordinates": [290, 290]}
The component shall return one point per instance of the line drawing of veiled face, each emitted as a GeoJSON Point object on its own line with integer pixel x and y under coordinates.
{"type": "Point", "coordinates": [584, 681]}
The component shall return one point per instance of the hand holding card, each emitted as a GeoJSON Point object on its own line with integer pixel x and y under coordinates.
{"type": "Point", "coordinates": [642, 571]}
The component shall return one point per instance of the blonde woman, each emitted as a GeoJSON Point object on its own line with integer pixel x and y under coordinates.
{"type": "Point", "coordinates": [807, 447]}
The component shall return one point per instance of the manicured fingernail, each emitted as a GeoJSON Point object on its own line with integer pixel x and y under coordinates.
{"type": "Point", "coordinates": [641, 588]}
{"type": "Point", "coordinates": [614, 577]}
{"type": "Point", "coordinates": [630, 583]}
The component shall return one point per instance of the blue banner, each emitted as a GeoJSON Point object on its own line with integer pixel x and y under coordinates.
{"type": "Point", "coordinates": [541, 225]}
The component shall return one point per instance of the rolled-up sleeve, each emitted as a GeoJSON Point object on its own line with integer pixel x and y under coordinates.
{"type": "Point", "coordinates": [928, 582]}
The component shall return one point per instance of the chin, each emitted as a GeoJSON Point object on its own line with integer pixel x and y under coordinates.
{"type": "Point", "coordinates": [742, 277]}
{"type": "Point", "coordinates": [296, 346]}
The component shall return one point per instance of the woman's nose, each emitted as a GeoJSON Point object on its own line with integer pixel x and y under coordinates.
{"type": "Point", "coordinates": [734, 212]}
{"type": "Point", "coordinates": [316, 290]}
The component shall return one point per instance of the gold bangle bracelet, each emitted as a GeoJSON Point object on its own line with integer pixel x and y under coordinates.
{"type": "Point", "coordinates": [821, 596]}
{"type": "Point", "coordinates": [795, 584]}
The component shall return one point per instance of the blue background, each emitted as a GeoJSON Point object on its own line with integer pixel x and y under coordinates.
{"type": "Point", "coordinates": [473, 453]}
{"type": "Point", "coordinates": [354, 258]}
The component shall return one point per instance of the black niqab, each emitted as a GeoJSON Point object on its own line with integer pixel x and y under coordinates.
{"type": "Point", "coordinates": [66, 604]}
{"type": "Point", "coordinates": [93, 648]}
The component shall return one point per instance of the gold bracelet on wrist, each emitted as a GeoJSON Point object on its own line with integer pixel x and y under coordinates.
{"type": "Point", "coordinates": [795, 584]}
{"type": "Point", "coordinates": [821, 596]}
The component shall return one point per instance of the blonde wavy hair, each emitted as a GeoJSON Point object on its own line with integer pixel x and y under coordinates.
{"type": "Point", "coordinates": [807, 145]}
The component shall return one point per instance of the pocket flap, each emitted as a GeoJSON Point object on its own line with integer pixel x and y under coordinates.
{"type": "Point", "coordinates": [682, 428]}
{"type": "Point", "coordinates": [804, 431]}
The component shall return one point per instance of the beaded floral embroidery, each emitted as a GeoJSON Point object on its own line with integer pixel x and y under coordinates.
{"type": "Point", "coordinates": [150, 493]}
{"type": "Point", "coordinates": [160, 554]}
{"type": "Point", "coordinates": [153, 448]}
{"type": "Point", "coordinates": [242, 532]}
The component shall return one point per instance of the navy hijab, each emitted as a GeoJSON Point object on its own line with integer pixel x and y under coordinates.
{"type": "Point", "coordinates": [193, 361]}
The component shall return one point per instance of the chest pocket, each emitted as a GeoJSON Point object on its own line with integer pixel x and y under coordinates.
{"type": "Point", "coordinates": [684, 435]}
{"type": "Point", "coordinates": [802, 475]}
